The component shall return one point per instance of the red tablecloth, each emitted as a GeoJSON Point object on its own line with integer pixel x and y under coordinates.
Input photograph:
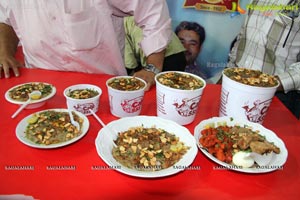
{"type": "Point", "coordinates": [84, 182]}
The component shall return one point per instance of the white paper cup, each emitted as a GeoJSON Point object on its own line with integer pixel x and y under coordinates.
{"type": "Point", "coordinates": [176, 104]}
{"type": "Point", "coordinates": [245, 101]}
{"type": "Point", "coordinates": [125, 103]}
{"type": "Point", "coordinates": [83, 105]}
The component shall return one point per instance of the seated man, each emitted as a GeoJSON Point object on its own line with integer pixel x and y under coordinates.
{"type": "Point", "coordinates": [271, 44]}
{"type": "Point", "coordinates": [135, 59]}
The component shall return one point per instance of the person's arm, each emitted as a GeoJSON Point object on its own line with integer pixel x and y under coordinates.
{"type": "Point", "coordinates": [155, 59]}
{"type": "Point", "coordinates": [154, 45]}
{"type": "Point", "coordinates": [133, 36]}
{"type": "Point", "coordinates": [153, 18]}
{"type": "Point", "coordinates": [8, 47]}
{"type": "Point", "coordinates": [290, 80]}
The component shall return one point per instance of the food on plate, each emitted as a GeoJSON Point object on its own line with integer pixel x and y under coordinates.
{"type": "Point", "coordinates": [249, 159]}
{"type": "Point", "coordinates": [223, 142]}
{"type": "Point", "coordinates": [148, 149]}
{"type": "Point", "coordinates": [182, 81]}
{"type": "Point", "coordinates": [251, 77]}
{"type": "Point", "coordinates": [82, 93]}
{"type": "Point", "coordinates": [126, 83]}
{"type": "Point", "coordinates": [217, 142]}
{"type": "Point", "coordinates": [21, 93]}
{"type": "Point", "coordinates": [51, 127]}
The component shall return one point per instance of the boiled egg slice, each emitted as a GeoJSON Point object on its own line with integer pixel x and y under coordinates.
{"type": "Point", "coordinates": [262, 160]}
{"type": "Point", "coordinates": [243, 159]}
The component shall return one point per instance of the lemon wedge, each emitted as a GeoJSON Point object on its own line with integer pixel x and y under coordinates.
{"type": "Point", "coordinates": [176, 147]}
{"type": "Point", "coordinates": [35, 96]}
{"type": "Point", "coordinates": [33, 119]}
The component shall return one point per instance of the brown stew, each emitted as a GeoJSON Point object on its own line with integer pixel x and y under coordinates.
{"type": "Point", "coordinates": [82, 93]}
{"type": "Point", "coordinates": [51, 127]}
{"type": "Point", "coordinates": [251, 77]}
{"type": "Point", "coordinates": [21, 93]}
{"type": "Point", "coordinates": [180, 81]}
{"type": "Point", "coordinates": [148, 149]}
{"type": "Point", "coordinates": [126, 84]}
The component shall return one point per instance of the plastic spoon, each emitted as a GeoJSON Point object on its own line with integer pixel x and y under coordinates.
{"type": "Point", "coordinates": [73, 122]}
{"type": "Point", "coordinates": [34, 95]}
{"type": "Point", "coordinates": [102, 124]}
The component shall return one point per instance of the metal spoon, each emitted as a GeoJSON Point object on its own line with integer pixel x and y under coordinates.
{"type": "Point", "coordinates": [103, 125]}
{"type": "Point", "coordinates": [73, 122]}
{"type": "Point", "coordinates": [34, 95]}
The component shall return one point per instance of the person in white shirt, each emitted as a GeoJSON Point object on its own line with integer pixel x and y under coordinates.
{"type": "Point", "coordinates": [80, 35]}
{"type": "Point", "coordinates": [270, 41]}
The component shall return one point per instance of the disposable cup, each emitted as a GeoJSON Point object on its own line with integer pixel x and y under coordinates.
{"type": "Point", "coordinates": [83, 105]}
{"type": "Point", "coordinates": [243, 101]}
{"type": "Point", "coordinates": [178, 105]}
{"type": "Point", "coordinates": [125, 103]}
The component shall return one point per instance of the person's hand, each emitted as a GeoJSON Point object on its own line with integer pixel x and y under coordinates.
{"type": "Point", "coordinates": [280, 87]}
{"type": "Point", "coordinates": [146, 76]}
{"type": "Point", "coordinates": [7, 63]}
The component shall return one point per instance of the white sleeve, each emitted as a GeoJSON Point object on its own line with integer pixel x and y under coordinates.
{"type": "Point", "coordinates": [153, 17]}
{"type": "Point", "coordinates": [3, 12]}
{"type": "Point", "coordinates": [291, 78]}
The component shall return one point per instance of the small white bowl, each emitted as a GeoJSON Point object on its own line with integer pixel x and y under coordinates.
{"type": "Point", "coordinates": [34, 103]}
{"type": "Point", "coordinates": [83, 105]}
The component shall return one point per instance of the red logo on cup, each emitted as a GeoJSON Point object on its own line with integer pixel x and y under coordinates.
{"type": "Point", "coordinates": [258, 111]}
{"type": "Point", "coordinates": [84, 108]}
{"type": "Point", "coordinates": [224, 101]}
{"type": "Point", "coordinates": [132, 105]}
{"type": "Point", "coordinates": [187, 107]}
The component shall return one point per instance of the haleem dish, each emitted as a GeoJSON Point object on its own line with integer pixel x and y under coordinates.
{"type": "Point", "coordinates": [21, 92]}
{"type": "Point", "coordinates": [126, 83]}
{"type": "Point", "coordinates": [52, 127]}
{"type": "Point", "coordinates": [251, 77]}
{"type": "Point", "coordinates": [82, 93]}
{"type": "Point", "coordinates": [148, 149]}
{"type": "Point", "coordinates": [182, 81]}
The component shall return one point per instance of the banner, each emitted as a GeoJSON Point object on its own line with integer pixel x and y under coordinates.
{"type": "Point", "coordinates": [212, 5]}
{"type": "Point", "coordinates": [221, 27]}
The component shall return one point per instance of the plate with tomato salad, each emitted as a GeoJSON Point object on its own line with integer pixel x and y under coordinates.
{"type": "Point", "coordinates": [214, 141]}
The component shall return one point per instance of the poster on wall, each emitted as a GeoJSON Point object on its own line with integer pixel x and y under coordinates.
{"type": "Point", "coordinates": [216, 23]}
{"type": "Point", "coordinates": [214, 5]}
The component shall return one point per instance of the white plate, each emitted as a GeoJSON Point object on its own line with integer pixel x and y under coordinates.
{"type": "Point", "coordinates": [277, 160]}
{"type": "Point", "coordinates": [34, 103]}
{"type": "Point", "coordinates": [21, 127]}
{"type": "Point", "coordinates": [104, 144]}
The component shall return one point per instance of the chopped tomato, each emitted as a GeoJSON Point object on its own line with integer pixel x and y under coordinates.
{"type": "Point", "coordinates": [217, 142]}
